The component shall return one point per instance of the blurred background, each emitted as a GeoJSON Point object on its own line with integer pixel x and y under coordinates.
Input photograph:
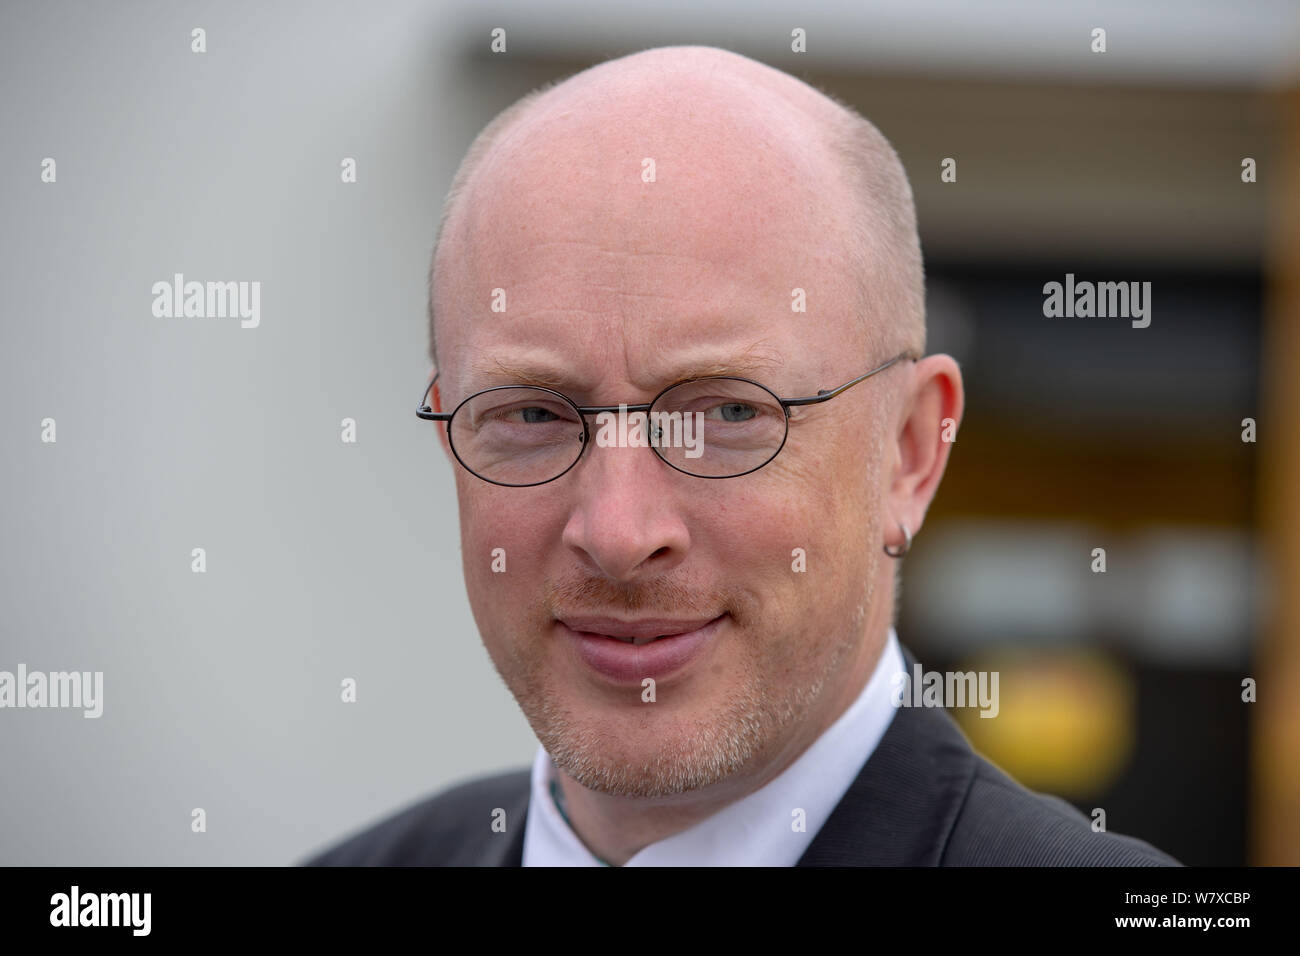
{"type": "Point", "coordinates": [1120, 690]}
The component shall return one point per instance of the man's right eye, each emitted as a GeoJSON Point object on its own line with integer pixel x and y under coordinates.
{"type": "Point", "coordinates": [526, 415]}
{"type": "Point", "coordinates": [535, 414]}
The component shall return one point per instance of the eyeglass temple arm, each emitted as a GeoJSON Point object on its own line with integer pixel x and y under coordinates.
{"type": "Point", "coordinates": [427, 413]}
{"type": "Point", "coordinates": [824, 395]}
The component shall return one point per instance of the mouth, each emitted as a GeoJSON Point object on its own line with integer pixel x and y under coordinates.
{"type": "Point", "coordinates": [630, 651]}
{"type": "Point", "coordinates": [642, 631]}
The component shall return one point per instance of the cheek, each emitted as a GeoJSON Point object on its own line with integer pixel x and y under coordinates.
{"type": "Point", "coordinates": [826, 503]}
{"type": "Point", "coordinates": [504, 535]}
{"type": "Point", "coordinates": [782, 539]}
{"type": "Point", "coordinates": [821, 499]}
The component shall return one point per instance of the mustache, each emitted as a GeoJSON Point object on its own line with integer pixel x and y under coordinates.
{"type": "Point", "coordinates": [600, 596]}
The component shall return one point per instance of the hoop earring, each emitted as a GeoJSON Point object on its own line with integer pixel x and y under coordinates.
{"type": "Point", "coordinates": [897, 551]}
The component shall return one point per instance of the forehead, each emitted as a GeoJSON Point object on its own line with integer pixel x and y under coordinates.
{"type": "Point", "coordinates": [725, 177]}
{"type": "Point", "coordinates": [628, 230]}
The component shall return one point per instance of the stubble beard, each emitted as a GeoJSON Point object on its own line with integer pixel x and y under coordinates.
{"type": "Point", "coordinates": [660, 758]}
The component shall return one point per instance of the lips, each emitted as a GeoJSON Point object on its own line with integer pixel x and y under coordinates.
{"type": "Point", "coordinates": [633, 630]}
{"type": "Point", "coordinates": [627, 652]}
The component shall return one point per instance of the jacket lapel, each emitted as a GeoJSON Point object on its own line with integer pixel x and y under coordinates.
{"type": "Point", "coordinates": [509, 851]}
{"type": "Point", "coordinates": [901, 809]}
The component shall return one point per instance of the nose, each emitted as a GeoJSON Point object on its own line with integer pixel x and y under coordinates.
{"type": "Point", "coordinates": [625, 519]}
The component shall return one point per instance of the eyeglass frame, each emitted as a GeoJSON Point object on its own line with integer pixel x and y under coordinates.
{"type": "Point", "coordinates": [823, 395]}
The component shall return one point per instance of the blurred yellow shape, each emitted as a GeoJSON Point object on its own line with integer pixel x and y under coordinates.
{"type": "Point", "coordinates": [1065, 723]}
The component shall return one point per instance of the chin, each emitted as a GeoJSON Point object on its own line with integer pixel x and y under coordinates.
{"type": "Point", "coordinates": [644, 757]}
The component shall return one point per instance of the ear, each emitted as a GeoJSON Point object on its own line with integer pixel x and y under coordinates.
{"type": "Point", "coordinates": [435, 402]}
{"type": "Point", "coordinates": [925, 431]}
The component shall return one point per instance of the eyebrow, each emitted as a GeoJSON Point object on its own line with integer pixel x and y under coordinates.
{"type": "Point", "coordinates": [543, 376]}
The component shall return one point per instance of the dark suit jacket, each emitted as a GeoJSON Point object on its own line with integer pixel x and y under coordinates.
{"type": "Point", "coordinates": [923, 798]}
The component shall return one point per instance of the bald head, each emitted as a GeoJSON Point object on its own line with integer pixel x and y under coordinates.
{"type": "Point", "coordinates": [742, 128]}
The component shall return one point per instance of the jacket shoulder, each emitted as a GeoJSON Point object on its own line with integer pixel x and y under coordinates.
{"type": "Point", "coordinates": [1002, 823]}
{"type": "Point", "coordinates": [925, 797]}
{"type": "Point", "coordinates": [451, 828]}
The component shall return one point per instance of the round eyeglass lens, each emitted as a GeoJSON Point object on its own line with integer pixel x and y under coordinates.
{"type": "Point", "coordinates": [517, 435]}
{"type": "Point", "coordinates": [717, 427]}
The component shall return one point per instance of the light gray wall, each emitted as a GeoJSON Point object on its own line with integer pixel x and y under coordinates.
{"type": "Point", "coordinates": [324, 560]}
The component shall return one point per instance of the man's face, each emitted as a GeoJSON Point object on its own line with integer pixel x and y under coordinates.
{"type": "Point", "coordinates": [615, 288]}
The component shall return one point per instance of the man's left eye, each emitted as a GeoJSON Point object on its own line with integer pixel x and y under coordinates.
{"type": "Point", "coordinates": [735, 411]}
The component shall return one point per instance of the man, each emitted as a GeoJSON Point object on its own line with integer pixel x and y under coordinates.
{"type": "Point", "coordinates": [700, 632]}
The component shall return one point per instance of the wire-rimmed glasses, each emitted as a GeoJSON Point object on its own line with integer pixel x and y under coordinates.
{"type": "Point", "coordinates": [714, 427]}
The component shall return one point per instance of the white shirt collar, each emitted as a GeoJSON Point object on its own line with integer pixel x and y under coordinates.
{"type": "Point", "coordinates": [759, 829]}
